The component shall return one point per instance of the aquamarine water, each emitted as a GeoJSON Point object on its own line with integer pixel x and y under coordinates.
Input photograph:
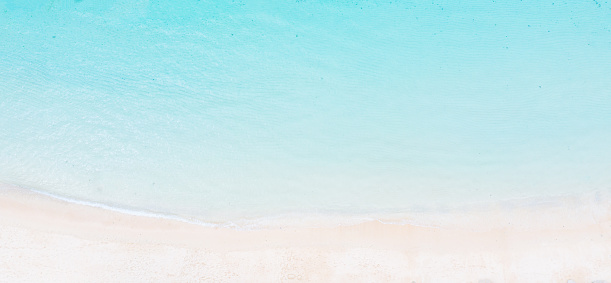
{"type": "Point", "coordinates": [228, 109]}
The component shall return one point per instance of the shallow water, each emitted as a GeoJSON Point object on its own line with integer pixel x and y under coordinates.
{"type": "Point", "coordinates": [222, 110]}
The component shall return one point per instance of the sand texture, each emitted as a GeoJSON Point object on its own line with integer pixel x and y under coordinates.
{"type": "Point", "coordinates": [47, 240]}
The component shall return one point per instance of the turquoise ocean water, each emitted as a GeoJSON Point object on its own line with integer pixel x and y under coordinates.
{"type": "Point", "coordinates": [222, 110]}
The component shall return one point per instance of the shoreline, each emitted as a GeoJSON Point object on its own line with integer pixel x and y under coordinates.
{"type": "Point", "coordinates": [568, 239]}
{"type": "Point", "coordinates": [597, 202]}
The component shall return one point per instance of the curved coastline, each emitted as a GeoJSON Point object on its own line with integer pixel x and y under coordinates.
{"type": "Point", "coordinates": [598, 201]}
{"type": "Point", "coordinates": [68, 241]}
{"type": "Point", "coordinates": [270, 221]}
{"type": "Point", "coordinates": [122, 210]}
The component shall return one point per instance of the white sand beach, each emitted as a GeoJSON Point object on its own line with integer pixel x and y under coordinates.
{"type": "Point", "coordinates": [305, 141]}
{"type": "Point", "coordinates": [47, 240]}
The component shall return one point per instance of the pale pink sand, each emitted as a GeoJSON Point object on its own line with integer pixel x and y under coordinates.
{"type": "Point", "coordinates": [47, 240]}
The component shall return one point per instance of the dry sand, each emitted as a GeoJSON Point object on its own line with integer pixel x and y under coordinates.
{"type": "Point", "coordinates": [47, 240]}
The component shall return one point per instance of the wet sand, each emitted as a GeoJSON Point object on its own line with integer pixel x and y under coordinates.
{"type": "Point", "coordinates": [45, 239]}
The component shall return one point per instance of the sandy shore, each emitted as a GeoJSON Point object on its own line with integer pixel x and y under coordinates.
{"type": "Point", "coordinates": [47, 240]}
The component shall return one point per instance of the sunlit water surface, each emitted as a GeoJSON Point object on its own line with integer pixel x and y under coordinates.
{"type": "Point", "coordinates": [221, 110]}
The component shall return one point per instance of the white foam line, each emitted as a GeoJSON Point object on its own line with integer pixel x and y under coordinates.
{"type": "Point", "coordinates": [245, 224]}
{"type": "Point", "coordinates": [252, 225]}
{"type": "Point", "coordinates": [127, 211]}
